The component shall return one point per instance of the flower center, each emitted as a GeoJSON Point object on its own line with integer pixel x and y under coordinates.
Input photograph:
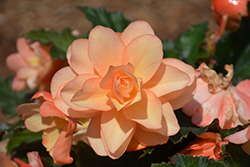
{"type": "Point", "coordinates": [123, 85]}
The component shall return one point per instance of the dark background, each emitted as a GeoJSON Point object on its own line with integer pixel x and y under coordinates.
{"type": "Point", "coordinates": [167, 17]}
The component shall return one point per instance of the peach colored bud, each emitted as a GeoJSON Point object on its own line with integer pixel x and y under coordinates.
{"type": "Point", "coordinates": [121, 82]}
{"type": "Point", "coordinates": [33, 66]}
{"type": "Point", "coordinates": [208, 145]}
{"type": "Point", "coordinates": [217, 98]}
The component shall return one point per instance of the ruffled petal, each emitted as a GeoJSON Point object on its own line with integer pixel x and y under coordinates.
{"type": "Point", "coordinates": [147, 112]}
{"type": "Point", "coordinates": [145, 54]}
{"type": "Point", "coordinates": [78, 58]}
{"type": "Point", "coordinates": [136, 29]}
{"type": "Point", "coordinates": [105, 49]}
{"type": "Point", "coordinates": [92, 96]}
{"type": "Point", "coordinates": [182, 96]}
{"type": "Point", "coordinates": [61, 77]}
{"type": "Point", "coordinates": [69, 90]}
{"type": "Point", "coordinates": [94, 136]}
{"type": "Point", "coordinates": [116, 130]}
{"type": "Point", "coordinates": [167, 79]}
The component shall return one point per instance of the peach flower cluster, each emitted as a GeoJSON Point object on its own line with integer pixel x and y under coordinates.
{"type": "Point", "coordinates": [57, 128]}
{"type": "Point", "coordinates": [216, 97]}
{"type": "Point", "coordinates": [33, 157]}
{"type": "Point", "coordinates": [208, 145]}
{"type": "Point", "coordinates": [117, 94]}
{"type": "Point", "coordinates": [33, 65]}
{"type": "Point", "coordinates": [121, 82]}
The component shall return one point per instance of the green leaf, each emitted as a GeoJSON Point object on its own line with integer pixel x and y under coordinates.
{"type": "Point", "coordinates": [20, 137]}
{"type": "Point", "coordinates": [10, 100]}
{"type": "Point", "coordinates": [7, 130]}
{"type": "Point", "coordinates": [190, 161]}
{"type": "Point", "coordinates": [187, 46]}
{"type": "Point", "coordinates": [187, 126]}
{"type": "Point", "coordinates": [59, 40]}
{"type": "Point", "coordinates": [147, 151]}
{"type": "Point", "coordinates": [100, 16]}
{"type": "Point", "coordinates": [234, 48]}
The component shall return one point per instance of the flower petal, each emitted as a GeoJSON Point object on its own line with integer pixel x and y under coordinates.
{"type": "Point", "coordinates": [18, 84]}
{"type": "Point", "coordinates": [134, 145]}
{"type": "Point", "coordinates": [136, 29]}
{"type": "Point", "coordinates": [167, 79]}
{"type": "Point", "coordinates": [145, 54]}
{"type": "Point", "coordinates": [15, 62]}
{"type": "Point", "coordinates": [61, 77]}
{"type": "Point", "coordinates": [48, 109]}
{"type": "Point", "coordinates": [239, 137]}
{"type": "Point", "coordinates": [64, 103]}
{"type": "Point", "coordinates": [149, 138]}
{"type": "Point", "coordinates": [170, 119]}
{"type": "Point", "coordinates": [147, 112]}
{"type": "Point", "coordinates": [92, 96]}
{"type": "Point", "coordinates": [62, 148]}
{"type": "Point", "coordinates": [94, 136]}
{"type": "Point", "coordinates": [212, 108]}
{"type": "Point", "coordinates": [34, 159]}
{"type": "Point", "coordinates": [202, 94]}
{"type": "Point", "coordinates": [105, 49]}
{"type": "Point", "coordinates": [24, 49]}
{"type": "Point", "coordinates": [50, 137]}
{"type": "Point", "coordinates": [78, 58]}
{"type": "Point", "coordinates": [33, 120]}
{"type": "Point", "coordinates": [244, 87]}
{"type": "Point", "coordinates": [116, 130]}
{"type": "Point", "coordinates": [179, 98]}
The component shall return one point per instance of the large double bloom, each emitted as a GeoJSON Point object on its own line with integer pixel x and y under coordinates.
{"type": "Point", "coordinates": [121, 82]}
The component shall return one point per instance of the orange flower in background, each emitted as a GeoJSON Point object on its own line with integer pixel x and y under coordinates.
{"type": "Point", "coordinates": [241, 137]}
{"type": "Point", "coordinates": [57, 128]}
{"type": "Point", "coordinates": [33, 65]}
{"type": "Point", "coordinates": [33, 157]}
{"type": "Point", "coordinates": [217, 98]}
{"type": "Point", "coordinates": [208, 145]}
{"type": "Point", "coordinates": [121, 82]}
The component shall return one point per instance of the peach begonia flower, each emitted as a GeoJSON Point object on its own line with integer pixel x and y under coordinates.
{"type": "Point", "coordinates": [57, 128]}
{"type": "Point", "coordinates": [241, 137]}
{"type": "Point", "coordinates": [121, 82]}
{"type": "Point", "coordinates": [216, 97]}
{"type": "Point", "coordinates": [33, 65]}
{"type": "Point", "coordinates": [33, 157]}
{"type": "Point", "coordinates": [208, 145]}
